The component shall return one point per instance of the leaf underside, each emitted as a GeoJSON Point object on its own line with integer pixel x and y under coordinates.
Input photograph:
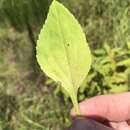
{"type": "Point", "coordinates": [62, 51]}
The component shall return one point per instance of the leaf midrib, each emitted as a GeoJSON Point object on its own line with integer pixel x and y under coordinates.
{"type": "Point", "coordinates": [64, 42]}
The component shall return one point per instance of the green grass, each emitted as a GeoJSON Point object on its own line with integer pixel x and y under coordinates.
{"type": "Point", "coordinates": [26, 102]}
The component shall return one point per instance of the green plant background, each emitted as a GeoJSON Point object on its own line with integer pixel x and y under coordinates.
{"type": "Point", "coordinates": [28, 99]}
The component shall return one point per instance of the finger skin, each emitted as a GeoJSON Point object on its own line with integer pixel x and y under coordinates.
{"type": "Point", "coordinates": [111, 107]}
{"type": "Point", "coordinates": [120, 125]}
{"type": "Point", "coordinates": [128, 122]}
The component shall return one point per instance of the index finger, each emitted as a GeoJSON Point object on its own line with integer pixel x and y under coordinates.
{"type": "Point", "coordinates": [111, 107]}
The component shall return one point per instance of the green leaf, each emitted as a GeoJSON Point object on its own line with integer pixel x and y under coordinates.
{"type": "Point", "coordinates": [62, 50]}
{"type": "Point", "coordinates": [125, 62]}
{"type": "Point", "coordinates": [128, 44]}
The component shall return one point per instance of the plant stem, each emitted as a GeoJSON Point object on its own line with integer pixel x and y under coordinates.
{"type": "Point", "coordinates": [75, 103]}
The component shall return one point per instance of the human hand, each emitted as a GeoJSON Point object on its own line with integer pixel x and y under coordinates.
{"type": "Point", "coordinates": [114, 108]}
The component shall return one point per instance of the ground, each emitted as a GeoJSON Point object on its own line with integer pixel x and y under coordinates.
{"type": "Point", "coordinates": [26, 101]}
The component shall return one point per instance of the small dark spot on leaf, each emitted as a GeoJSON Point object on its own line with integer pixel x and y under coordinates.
{"type": "Point", "coordinates": [68, 44]}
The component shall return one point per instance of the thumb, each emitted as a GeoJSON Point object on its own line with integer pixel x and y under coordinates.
{"type": "Point", "coordinates": [111, 107]}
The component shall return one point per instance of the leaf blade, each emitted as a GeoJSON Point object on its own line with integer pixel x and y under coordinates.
{"type": "Point", "coordinates": [62, 50]}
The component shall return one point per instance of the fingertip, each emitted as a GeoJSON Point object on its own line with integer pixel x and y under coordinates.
{"type": "Point", "coordinates": [86, 107]}
{"type": "Point", "coordinates": [108, 107]}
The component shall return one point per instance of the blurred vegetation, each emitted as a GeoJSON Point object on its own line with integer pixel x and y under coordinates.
{"type": "Point", "coordinates": [28, 99]}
